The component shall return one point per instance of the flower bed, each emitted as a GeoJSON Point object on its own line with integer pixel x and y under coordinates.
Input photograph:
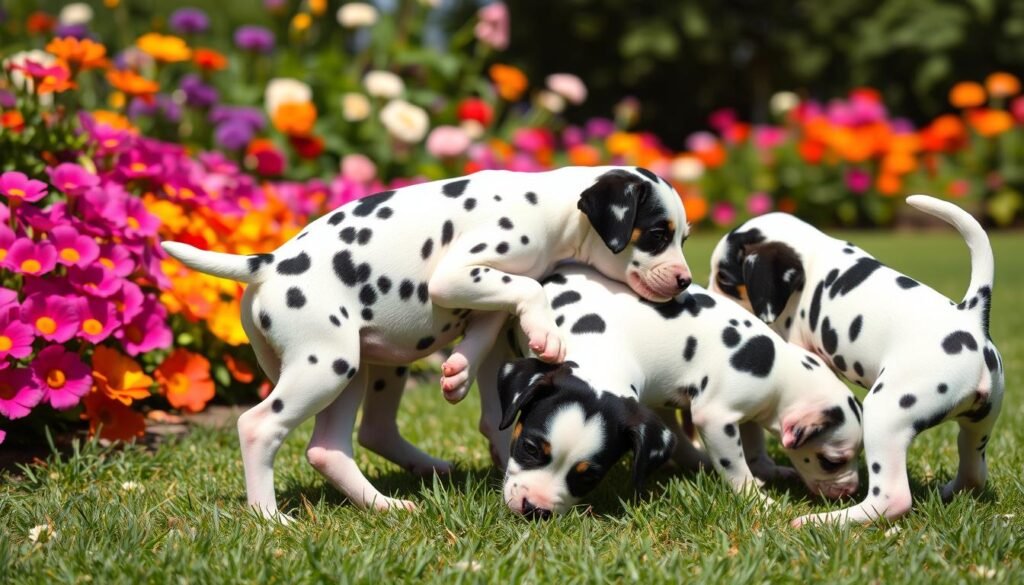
{"type": "Point", "coordinates": [234, 142]}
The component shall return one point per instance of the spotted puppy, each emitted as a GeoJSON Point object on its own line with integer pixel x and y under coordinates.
{"type": "Point", "coordinates": [628, 357]}
{"type": "Point", "coordinates": [388, 279]}
{"type": "Point", "coordinates": [926, 359]}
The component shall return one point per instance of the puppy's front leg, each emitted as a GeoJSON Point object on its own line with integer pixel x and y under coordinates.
{"type": "Point", "coordinates": [459, 370]}
{"type": "Point", "coordinates": [722, 440]}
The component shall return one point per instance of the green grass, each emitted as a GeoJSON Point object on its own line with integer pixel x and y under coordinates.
{"type": "Point", "coordinates": [189, 522]}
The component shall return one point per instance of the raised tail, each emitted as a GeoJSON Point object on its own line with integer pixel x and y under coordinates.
{"type": "Point", "coordinates": [239, 268]}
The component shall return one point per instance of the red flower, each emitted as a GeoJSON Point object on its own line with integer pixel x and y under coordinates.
{"type": "Point", "coordinates": [308, 147]}
{"type": "Point", "coordinates": [475, 109]}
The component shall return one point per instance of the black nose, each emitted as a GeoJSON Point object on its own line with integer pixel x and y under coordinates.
{"type": "Point", "coordinates": [533, 512]}
{"type": "Point", "coordinates": [682, 282]}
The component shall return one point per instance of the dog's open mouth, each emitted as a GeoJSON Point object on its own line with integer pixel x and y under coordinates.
{"type": "Point", "coordinates": [646, 291]}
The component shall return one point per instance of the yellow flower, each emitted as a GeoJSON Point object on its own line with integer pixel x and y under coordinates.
{"type": "Point", "coordinates": [301, 21]}
{"type": "Point", "coordinates": [165, 48]}
{"type": "Point", "coordinates": [318, 7]}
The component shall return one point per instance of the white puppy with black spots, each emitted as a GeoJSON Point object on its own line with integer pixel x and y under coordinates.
{"type": "Point", "coordinates": [629, 358]}
{"type": "Point", "coordinates": [925, 358]}
{"type": "Point", "coordinates": [388, 279]}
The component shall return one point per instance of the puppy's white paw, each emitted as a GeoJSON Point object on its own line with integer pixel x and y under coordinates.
{"type": "Point", "coordinates": [544, 338]}
{"type": "Point", "coordinates": [455, 378]}
{"type": "Point", "coordinates": [386, 504]}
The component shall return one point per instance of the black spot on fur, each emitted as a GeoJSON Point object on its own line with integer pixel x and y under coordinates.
{"type": "Point", "coordinates": [337, 218]}
{"type": "Point", "coordinates": [379, 385]}
{"type": "Point", "coordinates": [294, 266]}
{"type": "Point", "coordinates": [384, 284]}
{"type": "Point", "coordinates": [876, 490]}
{"type": "Point", "coordinates": [906, 282]}
{"type": "Point", "coordinates": [589, 323]}
{"type": "Point", "coordinates": [367, 314]}
{"type": "Point", "coordinates": [831, 277]}
{"type": "Point", "coordinates": [455, 188]}
{"type": "Point", "coordinates": [422, 293]}
{"type": "Point", "coordinates": [924, 424]}
{"type": "Point", "coordinates": [943, 388]}
{"type": "Point", "coordinates": [991, 361]}
{"type": "Point", "coordinates": [258, 260]}
{"type": "Point", "coordinates": [689, 303]}
{"type": "Point", "coordinates": [876, 468]}
{"type": "Point", "coordinates": [839, 362]}
{"type": "Point", "coordinates": [858, 369]}
{"type": "Point", "coordinates": [531, 197]}
{"type": "Point", "coordinates": [340, 367]}
{"type": "Point", "coordinates": [424, 343]}
{"type": "Point", "coordinates": [855, 327]}
{"type": "Point", "coordinates": [277, 405]}
{"type": "Point", "coordinates": [294, 298]}
{"type": "Point", "coordinates": [478, 248]}
{"type": "Point", "coordinates": [501, 248]}
{"type": "Point", "coordinates": [854, 276]}
{"type": "Point", "coordinates": [335, 321]}
{"type": "Point", "coordinates": [730, 337]}
{"type": "Point", "coordinates": [730, 430]}
{"type": "Point", "coordinates": [406, 289]}
{"type": "Point", "coordinates": [555, 278]}
{"type": "Point", "coordinates": [347, 271]}
{"type": "Point", "coordinates": [847, 250]}
{"type": "Point", "coordinates": [369, 204]}
{"type": "Point", "coordinates": [956, 341]}
{"type": "Point", "coordinates": [447, 232]}
{"type": "Point", "coordinates": [364, 236]}
{"type": "Point", "coordinates": [756, 357]}
{"type": "Point", "coordinates": [566, 298]}
{"type": "Point", "coordinates": [427, 249]}
{"type": "Point", "coordinates": [877, 388]}
{"type": "Point", "coordinates": [854, 406]}
{"type": "Point", "coordinates": [734, 322]}
{"type": "Point", "coordinates": [367, 295]}
{"type": "Point", "coordinates": [978, 414]}
{"type": "Point", "coordinates": [690, 349]}
{"type": "Point", "coordinates": [812, 318]}
{"type": "Point", "coordinates": [312, 359]}
{"type": "Point", "coordinates": [524, 240]}
{"type": "Point", "coordinates": [469, 204]}
{"type": "Point", "coordinates": [264, 320]}
{"type": "Point", "coordinates": [385, 212]}
{"type": "Point", "coordinates": [725, 462]}
{"type": "Point", "coordinates": [347, 235]}
{"type": "Point", "coordinates": [559, 320]}
{"type": "Point", "coordinates": [505, 223]}
{"type": "Point", "coordinates": [344, 312]}
{"type": "Point", "coordinates": [829, 337]}
{"type": "Point", "coordinates": [506, 279]}
{"type": "Point", "coordinates": [985, 293]}
{"type": "Point", "coordinates": [907, 400]}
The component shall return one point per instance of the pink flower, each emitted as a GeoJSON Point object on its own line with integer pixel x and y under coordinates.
{"type": "Point", "coordinates": [72, 179]}
{"type": "Point", "coordinates": [857, 180]}
{"type": "Point", "coordinates": [1017, 109]}
{"type": "Point", "coordinates": [759, 203]}
{"type": "Point", "coordinates": [722, 120]}
{"type": "Point", "coordinates": [492, 29]}
{"type": "Point", "coordinates": [701, 141]}
{"type": "Point", "coordinates": [768, 137]}
{"type": "Point", "coordinates": [568, 86]}
{"type": "Point", "coordinates": [531, 139]}
{"type": "Point", "coordinates": [3, 435]}
{"type": "Point", "coordinates": [138, 220]}
{"type": "Point", "coordinates": [17, 394]}
{"type": "Point", "coordinates": [99, 319]}
{"type": "Point", "coordinates": [148, 331]}
{"type": "Point", "coordinates": [15, 337]}
{"type": "Point", "coordinates": [94, 280]}
{"type": "Point", "coordinates": [18, 187]}
{"type": "Point", "coordinates": [723, 213]}
{"type": "Point", "coordinates": [28, 257]}
{"type": "Point", "coordinates": [447, 141]}
{"type": "Point", "coordinates": [54, 318]}
{"type": "Point", "coordinates": [74, 249]}
{"type": "Point", "coordinates": [117, 259]}
{"type": "Point", "coordinates": [8, 298]}
{"type": "Point", "coordinates": [7, 239]}
{"type": "Point", "coordinates": [62, 376]}
{"type": "Point", "coordinates": [358, 168]}
{"type": "Point", "coordinates": [135, 165]}
{"type": "Point", "coordinates": [129, 301]}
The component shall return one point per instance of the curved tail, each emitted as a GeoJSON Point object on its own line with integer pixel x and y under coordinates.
{"type": "Point", "coordinates": [234, 267]}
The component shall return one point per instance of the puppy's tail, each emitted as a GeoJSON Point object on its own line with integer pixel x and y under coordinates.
{"type": "Point", "coordinates": [982, 262]}
{"type": "Point", "coordinates": [238, 268]}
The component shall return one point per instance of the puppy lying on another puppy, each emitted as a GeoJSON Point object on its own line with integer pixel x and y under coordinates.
{"type": "Point", "coordinates": [628, 357]}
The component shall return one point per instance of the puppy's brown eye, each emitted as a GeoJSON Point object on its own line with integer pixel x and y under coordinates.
{"type": "Point", "coordinates": [531, 448]}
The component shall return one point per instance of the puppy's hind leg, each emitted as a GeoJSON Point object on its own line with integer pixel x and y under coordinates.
{"type": "Point", "coordinates": [972, 442]}
{"type": "Point", "coordinates": [378, 429]}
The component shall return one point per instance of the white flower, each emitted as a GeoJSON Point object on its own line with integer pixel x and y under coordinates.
{"type": "Point", "coordinates": [131, 486]}
{"type": "Point", "coordinates": [283, 90]}
{"type": "Point", "coordinates": [18, 78]}
{"type": "Point", "coordinates": [568, 86]}
{"type": "Point", "coordinates": [783, 102]}
{"type": "Point", "coordinates": [472, 128]}
{"type": "Point", "coordinates": [357, 15]}
{"type": "Point", "coordinates": [686, 169]}
{"type": "Point", "coordinates": [550, 101]}
{"type": "Point", "coordinates": [355, 107]}
{"type": "Point", "coordinates": [383, 84]}
{"type": "Point", "coordinates": [404, 121]}
{"type": "Point", "coordinates": [75, 13]}
{"type": "Point", "coordinates": [42, 533]}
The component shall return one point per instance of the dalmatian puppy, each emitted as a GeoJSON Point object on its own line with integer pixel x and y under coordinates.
{"type": "Point", "coordinates": [628, 358]}
{"type": "Point", "coordinates": [926, 359]}
{"type": "Point", "coordinates": [382, 281]}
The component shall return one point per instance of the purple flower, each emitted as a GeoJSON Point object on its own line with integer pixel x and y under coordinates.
{"type": "Point", "coordinates": [197, 93]}
{"type": "Point", "coordinates": [7, 99]}
{"type": "Point", "coordinates": [233, 134]}
{"type": "Point", "coordinates": [188, 21]}
{"type": "Point", "coordinates": [254, 38]}
{"type": "Point", "coordinates": [79, 31]}
{"type": "Point", "coordinates": [164, 106]}
{"type": "Point", "coordinates": [573, 136]}
{"type": "Point", "coordinates": [253, 117]}
{"type": "Point", "coordinates": [599, 128]}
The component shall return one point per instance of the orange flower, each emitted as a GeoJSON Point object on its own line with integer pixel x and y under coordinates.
{"type": "Point", "coordinates": [12, 120]}
{"type": "Point", "coordinates": [118, 376]}
{"type": "Point", "coordinates": [989, 123]}
{"type": "Point", "coordinates": [696, 208]}
{"type": "Point", "coordinates": [811, 151]}
{"type": "Point", "coordinates": [622, 143]}
{"type": "Point", "coordinates": [713, 156]}
{"type": "Point", "coordinates": [82, 54]}
{"type": "Point", "coordinates": [209, 60]}
{"type": "Point", "coordinates": [510, 81]}
{"type": "Point", "coordinates": [240, 370]}
{"type": "Point", "coordinates": [584, 155]}
{"type": "Point", "coordinates": [114, 420]}
{"type": "Point", "coordinates": [888, 184]}
{"type": "Point", "coordinates": [945, 133]}
{"type": "Point", "coordinates": [1001, 84]}
{"type": "Point", "coordinates": [184, 378]}
{"type": "Point", "coordinates": [164, 48]}
{"type": "Point", "coordinates": [898, 163]}
{"type": "Point", "coordinates": [133, 84]}
{"type": "Point", "coordinates": [113, 120]}
{"type": "Point", "coordinates": [967, 94]}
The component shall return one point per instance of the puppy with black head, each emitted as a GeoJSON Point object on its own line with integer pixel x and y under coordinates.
{"type": "Point", "coordinates": [925, 358]}
{"type": "Point", "coordinates": [629, 359]}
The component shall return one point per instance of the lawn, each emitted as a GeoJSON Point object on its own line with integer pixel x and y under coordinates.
{"type": "Point", "coordinates": [177, 514]}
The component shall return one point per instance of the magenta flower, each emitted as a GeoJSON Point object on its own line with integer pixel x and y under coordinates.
{"type": "Point", "coordinates": [61, 376]}
{"type": "Point", "coordinates": [7, 239]}
{"type": "Point", "coordinates": [53, 317]}
{"type": "Point", "coordinates": [3, 435]}
{"type": "Point", "coordinates": [135, 165]}
{"type": "Point", "coordinates": [768, 137]}
{"type": "Point", "coordinates": [8, 298]}
{"type": "Point", "coordinates": [99, 319]}
{"type": "Point", "coordinates": [532, 139]}
{"type": "Point", "coordinates": [857, 180]}
{"type": "Point", "coordinates": [74, 249]}
{"type": "Point", "coordinates": [72, 179]}
{"type": "Point", "coordinates": [129, 301]}
{"type": "Point", "coordinates": [94, 280]}
{"type": "Point", "coordinates": [722, 120]}
{"type": "Point", "coordinates": [723, 213]}
{"type": "Point", "coordinates": [759, 203]}
{"type": "Point", "coordinates": [117, 259]}
{"type": "Point", "coordinates": [148, 331]}
{"type": "Point", "coordinates": [28, 257]}
{"type": "Point", "coordinates": [15, 337]}
{"type": "Point", "coordinates": [18, 396]}
{"type": "Point", "coordinates": [18, 187]}
{"type": "Point", "coordinates": [138, 220]}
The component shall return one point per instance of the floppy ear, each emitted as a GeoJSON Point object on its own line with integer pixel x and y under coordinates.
{"type": "Point", "coordinates": [653, 442]}
{"type": "Point", "coordinates": [611, 205]}
{"type": "Point", "coordinates": [772, 272]}
{"type": "Point", "coordinates": [518, 382]}
{"type": "Point", "coordinates": [802, 425]}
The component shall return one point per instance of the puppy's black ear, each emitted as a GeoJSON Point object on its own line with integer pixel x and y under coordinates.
{"type": "Point", "coordinates": [653, 442]}
{"type": "Point", "coordinates": [611, 205]}
{"type": "Point", "coordinates": [518, 382]}
{"type": "Point", "coordinates": [802, 425]}
{"type": "Point", "coordinates": [772, 272]}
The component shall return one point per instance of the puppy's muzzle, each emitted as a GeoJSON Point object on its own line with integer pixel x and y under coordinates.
{"type": "Point", "coordinates": [533, 512]}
